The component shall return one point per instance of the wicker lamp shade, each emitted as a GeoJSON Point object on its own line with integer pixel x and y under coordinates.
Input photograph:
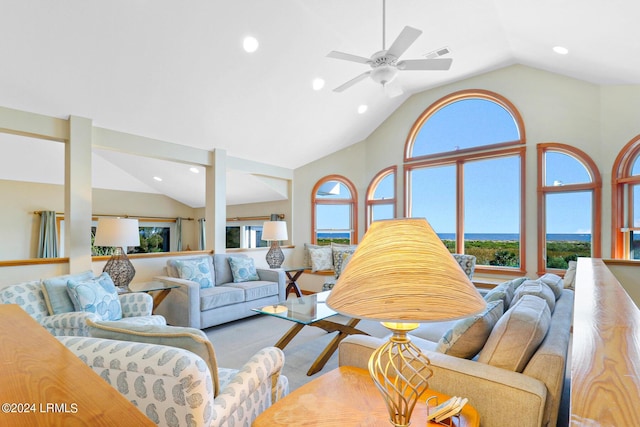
{"type": "Point", "coordinates": [402, 272]}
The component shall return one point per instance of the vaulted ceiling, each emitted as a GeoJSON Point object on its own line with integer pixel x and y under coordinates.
{"type": "Point", "coordinates": [176, 71]}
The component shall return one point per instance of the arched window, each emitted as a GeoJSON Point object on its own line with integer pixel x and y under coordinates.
{"type": "Point", "coordinates": [625, 202]}
{"type": "Point", "coordinates": [464, 172]}
{"type": "Point", "coordinates": [334, 216]}
{"type": "Point", "coordinates": [381, 196]}
{"type": "Point", "coordinates": [569, 206]}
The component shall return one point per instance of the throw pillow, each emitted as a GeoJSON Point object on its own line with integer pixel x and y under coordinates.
{"type": "Point", "coordinates": [243, 269]}
{"type": "Point", "coordinates": [307, 254]}
{"type": "Point", "coordinates": [196, 270]}
{"type": "Point", "coordinates": [55, 292]}
{"type": "Point", "coordinates": [467, 336]}
{"type": "Point", "coordinates": [341, 257]}
{"type": "Point", "coordinates": [191, 339]}
{"type": "Point", "coordinates": [97, 295]}
{"type": "Point", "coordinates": [554, 282]}
{"type": "Point", "coordinates": [570, 276]}
{"type": "Point", "coordinates": [537, 288]}
{"type": "Point", "coordinates": [321, 258]}
{"type": "Point", "coordinates": [517, 334]}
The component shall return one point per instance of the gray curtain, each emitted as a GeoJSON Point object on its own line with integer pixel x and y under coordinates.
{"type": "Point", "coordinates": [179, 234]}
{"type": "Point", "coordinates": [202, 241]}
{"type": "Point", "coordinates": [48, 241]}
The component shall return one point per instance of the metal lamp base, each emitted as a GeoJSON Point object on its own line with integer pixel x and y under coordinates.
{"type": "Point", "coordinates": [401, 373]}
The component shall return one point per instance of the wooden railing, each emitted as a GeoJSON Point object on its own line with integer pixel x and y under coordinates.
{"type": "Point", "coordinates": [605, 362]}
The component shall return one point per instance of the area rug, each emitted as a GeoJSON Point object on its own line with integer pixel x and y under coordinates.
{"type": "Point", "coordinates": [236, 342]}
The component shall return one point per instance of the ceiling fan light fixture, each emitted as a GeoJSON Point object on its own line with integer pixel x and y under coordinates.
{"type": "Point", "coordinates": [383, 74]}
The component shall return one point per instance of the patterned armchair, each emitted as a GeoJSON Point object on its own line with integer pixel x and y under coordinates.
{"type": "Point", "coordinates": [136, 309]}
{"type": "Point", "coordinates": [174, 387]}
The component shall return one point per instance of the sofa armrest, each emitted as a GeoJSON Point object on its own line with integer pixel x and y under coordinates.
{"type": "Point", "coordinates": [252, 390]}
{"type": "Point", "coordinates": [276, 275]}
{"type": "Point", "coordinates": [501, 397]}
{"type": "Point", "coordinates": [136, 304]}
{"type": "Point", "coordinates": [181, 307]}
{"type": "Point", "coordinates": [73, 323]}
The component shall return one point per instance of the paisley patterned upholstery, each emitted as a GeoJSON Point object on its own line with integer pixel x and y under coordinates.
{"type": "Point", "coordinates": [136, 308]}
{"type": "Point", "coordinates": [173, 386]}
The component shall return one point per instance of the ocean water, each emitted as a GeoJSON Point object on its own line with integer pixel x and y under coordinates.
{"type": "Point", "coordinates": [557, 237]}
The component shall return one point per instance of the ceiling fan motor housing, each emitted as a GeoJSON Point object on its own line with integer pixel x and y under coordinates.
{"type": "Point", "coordinates": [383, 67]}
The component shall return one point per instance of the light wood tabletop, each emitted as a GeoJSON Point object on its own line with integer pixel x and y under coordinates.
{"type": "Point", "coordinates": [605, 367]}
{"type": "Point", "coordinates": [347, 397]}
{"type": "Point", "coordinates": [45, 384]}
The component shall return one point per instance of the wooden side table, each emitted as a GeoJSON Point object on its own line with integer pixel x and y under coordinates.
{"type": "Point", "coordinates": [293, 273]}
{"type": "Point", "coordinates": [347, 397]}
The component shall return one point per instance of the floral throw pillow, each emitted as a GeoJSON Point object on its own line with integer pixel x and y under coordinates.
{"type": "Point", "coordinates": [97, 295]}
{"type": "Point", "coordinates": [321, 258]}
{"type": "Point", "coordinates": [196, 270]}
{"type": "Point", "coordinates": [243, 269]}
{"type": "Point", "coordinates": [340, 259]}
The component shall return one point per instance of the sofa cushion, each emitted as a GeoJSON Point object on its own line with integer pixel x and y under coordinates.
{"type": "Point", "coordinates": [55, 292]}
{"type": "Point", "coordinates": [28, 296]}
{"type": "Point", "coordinates": [517, 334]}
{"type": "Point", "coordinates": [537, 288]}
{"type": "Point", "coordinates": [219, 296]}
{"type": "Point", "coordinates": [172, 270]}
{"type": "Point", "coordinates": [97, 295]}
{"type": "Point", "coordinates": [242, 269]}
{"type": "Point", "coordinates": [321, 258]}
{"type": "Point", "coordinates": [196, 270]}
{"type": "Point", "coordinates": [504, 291]}
{"type": "Point", "coordinates": [223, 268]}
{"type": "Point", "coordinates": [191, 339]}
{"type": "Point", "coordinates": [554, 282]}
{"type": "Point", "coordinates": [468, 335]}
{"type": "Point", "coordinates": [254, 290]}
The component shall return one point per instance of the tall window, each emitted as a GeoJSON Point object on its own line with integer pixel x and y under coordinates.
{"type": "Point", "coordinates": [625, 197]}
{"type": "Point", "coordinates": [464, 169]}
{"type": "Point", "coordinates": [569, 201]}
{"type": "Point", "coordinates": [334, 201]}
{"type": "Point", "coordinates": [381, 196]}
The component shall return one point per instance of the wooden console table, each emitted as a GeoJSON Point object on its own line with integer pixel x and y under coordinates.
{"type": "Point", "coordinates": [45, 384]}
{"type": "Point", "coordinates": [347, 397]}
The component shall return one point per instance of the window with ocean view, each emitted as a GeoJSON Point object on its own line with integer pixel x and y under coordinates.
{"type": "Point", "coordinates": [381, 196]}
{"type": "Point", "coordinates": [568, 206]}
{"type": "Point", "coordinates": [464, 167]}
{"type": "Point", "coordinates": [334, 211]}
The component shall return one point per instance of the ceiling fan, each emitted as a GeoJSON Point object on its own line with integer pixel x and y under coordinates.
{"type": "Point", "coordinates": [385, 63]}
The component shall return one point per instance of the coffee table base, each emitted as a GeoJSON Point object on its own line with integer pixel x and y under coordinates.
{"type": "Point", "coordinates": [344, 330]}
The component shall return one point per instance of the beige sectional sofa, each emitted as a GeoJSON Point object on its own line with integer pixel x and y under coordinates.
{"type": "Point", "coordinates": [224, 298]}
{"type": "Point", "coordinates": [516, 376]}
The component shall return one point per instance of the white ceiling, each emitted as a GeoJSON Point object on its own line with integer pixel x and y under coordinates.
{"type": "Point", "coordinates": [176, 71]}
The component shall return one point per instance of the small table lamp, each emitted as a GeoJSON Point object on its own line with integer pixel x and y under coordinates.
{"type": "Point", "coordinates": [274, 231]}
{"type": "Point", "coordinates": [119, 233]}
{"type": "Point", "coordinates": [402, 274]}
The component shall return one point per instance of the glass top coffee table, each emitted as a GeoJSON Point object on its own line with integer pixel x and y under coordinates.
{"type": "Point", "coordinates": [311, 310]}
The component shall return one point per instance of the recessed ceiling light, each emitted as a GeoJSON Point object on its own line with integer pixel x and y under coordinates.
{"type": "Point", "coordinates": [194, 169]}
{"type": "Point", "coordinates": [362, 109]}
{"type": "Point", "coordinates": [318, 83]}
{"type": "Point", "coordinates": [250, 44]}
{"type": "Point", "coordinates": [560, 50]}
{"type": "Point", "coordinates": [157, 178]}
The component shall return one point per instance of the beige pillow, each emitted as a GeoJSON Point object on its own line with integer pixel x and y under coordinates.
{"type": "Point", "coordinates": [503, 292]}
{"type": "Point", "coordinates": [307, 255]}
{"type": "Point", "coordinates": [321, 258]}
{"type": "Point", "coordinates": [570, 276]}
{"type": "Point", "coordinates": [517, 334]}
{"type": "Point", "coordinates": [554, 282]}
{"type": "Point", "coordinates": [191, 339]}
{"type": "Point", "coordinates": [467, 336]}
{"type": "Point", "coordinates": [537, 288]}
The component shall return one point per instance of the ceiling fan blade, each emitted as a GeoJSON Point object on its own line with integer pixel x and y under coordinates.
{"type": "Point", "coordinates": [353, 81]}
{"type": "Point", "coordinates": [425, 64]}
{"type": "Point", "coordinates": [404, 40]}
{"type": "Point", "coordinates": [348, 57]}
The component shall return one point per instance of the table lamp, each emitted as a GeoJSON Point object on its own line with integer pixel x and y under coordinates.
{"type": "Point", "coordinates": [274, 231]}
{"type": "Point", "coordinates": [402, 274]}
{"type": "Point", "coordinates": [119, 233]}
